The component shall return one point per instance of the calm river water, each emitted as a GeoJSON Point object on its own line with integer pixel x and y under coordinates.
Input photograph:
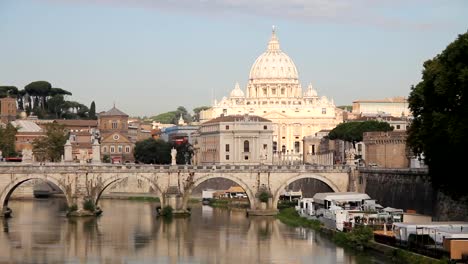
{"type": "Point", "coordinates": [129, 232]}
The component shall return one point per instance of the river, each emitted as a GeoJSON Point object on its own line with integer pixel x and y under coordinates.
{"type": "Point", "coordinates": [129, 232]}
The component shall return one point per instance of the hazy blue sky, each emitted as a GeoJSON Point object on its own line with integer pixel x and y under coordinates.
{"type": "Point", "coordinates": [151, 56]}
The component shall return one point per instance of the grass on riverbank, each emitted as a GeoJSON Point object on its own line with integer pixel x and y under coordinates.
{"type": "Point", "coordinates": [229, 203]}
{"type": "Point", "coordinates": [144, 199]}
{"type": "Point", "coordinates": [289, 216]}
{"type": "Point", "coordinates": [406, 257]}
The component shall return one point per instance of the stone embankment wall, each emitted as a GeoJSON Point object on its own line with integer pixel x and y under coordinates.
{"type": "Point", "coordinates": [446, 209]}
{"type": "Point", "coordinates": [410, 189]}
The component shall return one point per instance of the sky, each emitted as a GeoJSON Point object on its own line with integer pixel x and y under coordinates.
{"type": "Point", "coordinates": [151, 56]}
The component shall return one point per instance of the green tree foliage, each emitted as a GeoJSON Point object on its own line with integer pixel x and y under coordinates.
{"type": "Point", "coordinates": [92, 111]}
{"type": "Point", "coordinates": [7, 140]}
{"type": "Point", "coordinates": [264, 196]}
{"type": "Point", "coordinates": [185, 115]}
{"type": "Point", "coordinates": [358, 238]}
{"type": "Point", "coordinates": [45, 101]}
{"type": "Point", "coordinates": [58, 91]}
{"type": "Point", "coordinates": [39, 90]}
{"type": "Point", "coordinates": [353, 131]}
{"type": "Point", "coordinates": [172, 117]}
{"type": "Point", "coordinates": [348, 108]}
{"type": "Point", "coordinates": [51, 146]}
{"type": "Point", "coordinates": [184, 153]}
{"type": "Point", "coordinates": [153, 151]}
{"type": "Point", "coordinates": [439, 105]}
{"type": "Point", "coordinates": [166, 118]}
{"type": "Point", "coordinates": [8, 91]}
{"type": "Point", "coordinates": [196, 112]}
{"type": "Point", "coordinates": [56, 105]}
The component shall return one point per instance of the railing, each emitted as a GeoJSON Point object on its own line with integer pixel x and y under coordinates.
{"type": "Point", "coordinates": [60, 167]}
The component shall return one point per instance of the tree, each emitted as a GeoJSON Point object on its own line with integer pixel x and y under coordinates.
{"type": "Point", "coordinates": [166, 118]}
{"type": "Point", "coordinates": [196, 112]}
{"type": "Point", "coordinates": [7, 140]}
{"type": "Point", "coordinates": [58, 91]}
{"type": "Point", "coordinates": [51, 146]}
{"type": "Point", "coordinates": [439, 105]}
{"type": "Point", "coordinates": [56, 105]}
{"type": "Point", "coordinates": [185, 115]}
{"type": "Point", "coordinates": [8, 91]}
{"type": "Point", "coordinates": [184, 153]}
{"type": "Point", "coordinates": [92, 111]}
{"type": "Point", "coordinates": [40, 90]}
{"type": "Point", "coordinates": [153, 151]}
{"type": "Point", "coordinates": [172, 117]}
{"type": "Point", "coordinates": [353, 131]}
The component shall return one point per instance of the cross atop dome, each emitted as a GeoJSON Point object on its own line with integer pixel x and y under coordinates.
{"type": "Point", "coordinates": [273, 45]}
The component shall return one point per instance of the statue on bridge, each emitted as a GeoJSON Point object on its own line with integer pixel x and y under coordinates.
{"type": "Point", "coordinates": [173, 155]}
{"type": "Point", "coordinates": [350, 156]}
{"type": "Point", "coordinates": [27, 156]}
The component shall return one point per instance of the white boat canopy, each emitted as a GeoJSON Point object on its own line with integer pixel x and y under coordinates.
{"type": "Point", "coordinates": [340, 197]}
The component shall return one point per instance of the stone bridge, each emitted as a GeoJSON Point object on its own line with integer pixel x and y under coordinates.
{"type": "Point", "coordinates": [80, 182]}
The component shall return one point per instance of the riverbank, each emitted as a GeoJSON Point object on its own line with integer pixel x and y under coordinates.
{"type": "Point", "coordinates": [229, 203]}
{"type": "Point", "coordinates": [358, 239]}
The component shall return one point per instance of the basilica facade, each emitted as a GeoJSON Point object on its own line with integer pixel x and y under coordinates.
{"type": "Point", "coordinates": [275, 93]}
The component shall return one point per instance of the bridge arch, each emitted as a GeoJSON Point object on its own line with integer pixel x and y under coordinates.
{"type": "Point", "coordinates": [198, 180]}
{"type": "Point", "coordinates": [10, 188]}
{"type": "Point", "coordinates": [283, 185]}
{"type": "Point", "coordinates": [108, 182]}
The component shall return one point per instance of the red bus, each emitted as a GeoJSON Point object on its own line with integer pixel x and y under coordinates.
{"type": "Point", "coordinates": [13, 159]}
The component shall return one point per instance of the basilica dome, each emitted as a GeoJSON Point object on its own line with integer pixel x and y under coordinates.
{"type": "Point", "coordinates": [311, 92]}
{"type": "Point", "coordinates": [273, 63]}
{"type": "Point", "coordinates": [237, 92]}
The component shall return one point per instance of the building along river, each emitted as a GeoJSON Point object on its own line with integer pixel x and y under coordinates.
{"type": "Point", "coordinates": [130, 232]}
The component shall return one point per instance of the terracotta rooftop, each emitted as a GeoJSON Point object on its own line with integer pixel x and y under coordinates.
{"type": "Point", "coordinates": [386, 100]}
{"type": "Point", "coordinates": [235, 189]}
{"type": "Point", "coordinates": [237, 118]}
{"type": "Point", "coordinates": [77, 122]}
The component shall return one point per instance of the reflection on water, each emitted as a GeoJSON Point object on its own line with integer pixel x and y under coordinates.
{"type": "Point", "coordinates": [129, 232]}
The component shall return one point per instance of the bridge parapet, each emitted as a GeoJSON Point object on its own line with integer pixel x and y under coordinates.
{"type": "Point", "coordinates": [125, 168]}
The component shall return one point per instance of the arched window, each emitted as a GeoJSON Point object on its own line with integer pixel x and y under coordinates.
{"type": "Point", "coordinates": [246, 146]}
{"type": "Point", "coordinates": [283, 149]}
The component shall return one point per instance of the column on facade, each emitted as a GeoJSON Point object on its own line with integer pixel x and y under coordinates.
{"type": "Point", "coordinates": [253, 150]}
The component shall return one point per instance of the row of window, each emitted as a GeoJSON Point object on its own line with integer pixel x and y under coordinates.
{"type": "Point", "coordinates": [246, 157]}
{"type": "Point", "coordinates": [324, 111]}
{"type": "Point", "coordinates": [297, 145]}
{"type": "Point", "coordinates": [246, 146]}
{"type": "Point", "coordinates": [114, 125]}
{"type": "Point", "coordinates": [112, 149]}
{"type": "Point", "coordinates": [264, 127]}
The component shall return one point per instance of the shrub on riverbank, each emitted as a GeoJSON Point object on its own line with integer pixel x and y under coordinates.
{"type": "Point", "coordinates": [166, 211]}
{"type": "Point", "coordinates": [286, 204]}
{"type": "Point", "coordinates": [264, 196]}
{"type": "Point", "coordinates": [289, 216]}
{"type": "Point", "coordinates": [89, 205]}
{"type": "Point", "coordinates": [359, 237]}
{"type": "Point", "coordinates": [72, 208]}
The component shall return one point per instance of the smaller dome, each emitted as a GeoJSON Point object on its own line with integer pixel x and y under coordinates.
{"type": "Point", "coordinates": [310, 91]}
{"type": "Point", "coordinates": [23, 115]}
{"type": "Point", "coordinates": [237, 92]}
